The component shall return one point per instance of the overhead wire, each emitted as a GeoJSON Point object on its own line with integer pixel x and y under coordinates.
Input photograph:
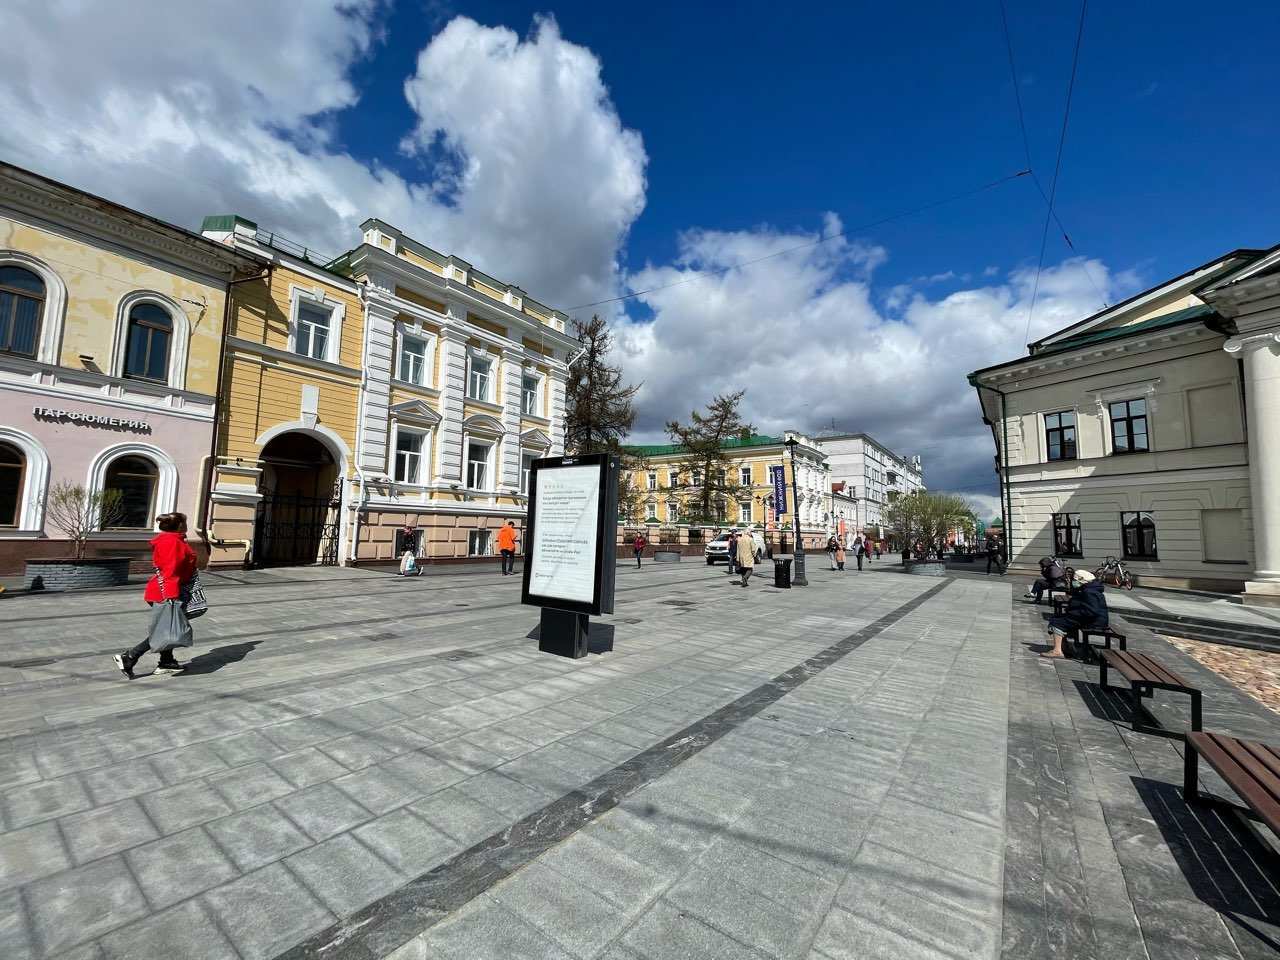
{"type": "Point", "coordinates": [1026, 149]}
{"type": "Point", "coordinates": [1057, 166]}
{"type": "Point", "coordinates": [719, 271]}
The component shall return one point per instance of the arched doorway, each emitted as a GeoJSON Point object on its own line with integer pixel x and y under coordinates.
{"type": "Point", "coordinates": [298, 518]}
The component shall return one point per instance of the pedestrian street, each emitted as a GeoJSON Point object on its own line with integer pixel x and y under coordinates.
{"type": "Point", "coordinates": [357, 765]}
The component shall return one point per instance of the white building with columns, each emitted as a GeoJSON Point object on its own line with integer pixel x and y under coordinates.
{"type": "Point", "coordinates": [463, 387]}
{"type": "Point", "coordinates": [872, 475]}
{"type": "Point", "coordinates": [1150, 431]}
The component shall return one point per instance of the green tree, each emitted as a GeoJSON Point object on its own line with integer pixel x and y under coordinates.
{"type": "Point", "coordinates": [927, 518]}
{"type": "Point", "coordinates": [707, 486]}
{"type": "Point", "coordinates": [600, 408]}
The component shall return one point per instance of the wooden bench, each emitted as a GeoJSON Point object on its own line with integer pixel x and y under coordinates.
{"type": "Point", "coordinates": [1145, 675]}
{"type": "Point", "coordinates": [1250, 768]}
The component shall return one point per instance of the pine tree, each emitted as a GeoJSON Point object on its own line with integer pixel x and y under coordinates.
{"type": "Point", "coordinates": [706, 484]}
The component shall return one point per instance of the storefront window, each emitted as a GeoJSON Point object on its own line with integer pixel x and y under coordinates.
{"type": "Point", "coordinates": [135, 478]}
{"type": "Point", "coordinates": [12, 466]}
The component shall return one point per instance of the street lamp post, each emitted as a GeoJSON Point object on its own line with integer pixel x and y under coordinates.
{"type": "Point", "coordinates": [798, 578]}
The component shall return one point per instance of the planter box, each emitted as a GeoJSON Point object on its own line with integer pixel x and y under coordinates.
{"type": "Point", "coordinates": [67, 574]}
{"type": "Point", "coordinates": [666, 556]}
{"type": "Point", "coordinates": [930, 568]}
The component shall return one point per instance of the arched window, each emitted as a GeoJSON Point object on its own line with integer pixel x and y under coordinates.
{"type": "Point", "coordinates": [21, 310]}
{"type": "Point", "coordinates": [135, 478]}
{"type": "Point", "coordinates": [147, 344]}
{"type": "Point", "coordinates": [13, 467]}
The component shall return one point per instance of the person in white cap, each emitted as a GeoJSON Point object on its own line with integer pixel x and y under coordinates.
{"type": "Point", "coordinates": [1086, 607]}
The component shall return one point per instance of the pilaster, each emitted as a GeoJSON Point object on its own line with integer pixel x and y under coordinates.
{"type": "Point", "coordinates": [509, 467]}
{"type": "Point", "coordinates": [556, 384]}
{"type": "Point", "coordinates": [453, 372]}
{"type": "Point", "coordinates": [1261, 354]}
{"type": "Point", "coordinates": [375, 399]}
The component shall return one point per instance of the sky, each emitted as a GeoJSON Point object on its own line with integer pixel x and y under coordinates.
{"type": "Point", "coordinates": [589, 151]}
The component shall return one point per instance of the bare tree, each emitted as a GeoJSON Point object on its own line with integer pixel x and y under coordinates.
{"type": "Point", "coordinates": [78, 513]}
{"type": "Point", "coordinates": [706, 484]}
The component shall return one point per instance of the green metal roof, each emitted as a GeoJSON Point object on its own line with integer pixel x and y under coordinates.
{"type": "Point", "coordinates": [1115, 333]}
{"type": "Point", "coordinates": [225, 223]}
{"type": "Point", "coordinates": [663, 449]}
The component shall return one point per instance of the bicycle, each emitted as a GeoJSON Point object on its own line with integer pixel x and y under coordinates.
{"type": "Point", "coordinates": [1114, 573]}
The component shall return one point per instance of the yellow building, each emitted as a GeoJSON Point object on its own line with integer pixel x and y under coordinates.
{"type": "Point", "coordinates": [666, 487]}
{"type": "Point", "coordinates": [290, 393]}
{"type": "Point", "coordinates": [110, 334]}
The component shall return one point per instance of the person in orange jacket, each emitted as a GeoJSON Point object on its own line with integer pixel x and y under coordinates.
{"type": "Point", "coordinates": [175, 565]}
{"type": "Point", "coordinates": [507, 547]}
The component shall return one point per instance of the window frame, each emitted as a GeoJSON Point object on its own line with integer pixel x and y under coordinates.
{"type": "Point", "coordinates": [155, 478]}
{"type": "Point", "coordinates": [673, 479]}
{"type": "Point", "coordinates": [41, 304]}
{"type": "Point", "coordinates": [744, 477]}
{"type": "Point", "coordinates": [1070, 527]}
{"type": "Point", "coordinates": [651, 480]}
{"type": "Point", "coordinates": [491, 445]}
{"type": "Point", "coordinates": [489, 376]}
{"type": "Point", "coordinates": [427, 358]}
{"type": "Point", "coordinates": [525, 472]}
{"type": "Point", "coordinates": [1154, 555]}
{"type": "Point", "coordinates": [1060, 429]}
{"type": "Point", "coordinates": [315, 299]}
{"type": "Point", "coordinates": [537, 379]}
{"type": "Point", "coordinates": [1127, 422]}
{"type": "Point", "coordinates": [20, 487]}
{"type": "Point", "coordinates": [486, 536]}
{"type": "Point", "coordinates": [673, 512]}
{"type": "Point", "coordinates": [130, 323]}
{"type": "Point", "coordinates": [423, 454]}
{"type": "Point", "coordinates": [744, 511]}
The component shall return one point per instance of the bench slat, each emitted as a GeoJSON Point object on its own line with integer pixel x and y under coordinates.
{"type": "Point", "coordinates": [1142, 668]}
{"type": "Point", "coordinates": [1240, 780]}
{"type": "Point", "coordinates": [1266, 758]}
{"type": "Point", "coordinates": [1262, 777]}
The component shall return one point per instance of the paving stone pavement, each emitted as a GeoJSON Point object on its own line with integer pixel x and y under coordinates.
{"type": "Point", "coordinates": [817, 772]}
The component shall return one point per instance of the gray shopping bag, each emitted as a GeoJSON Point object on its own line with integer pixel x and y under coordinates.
{"type": "Point", "coordinates": [169, 627]}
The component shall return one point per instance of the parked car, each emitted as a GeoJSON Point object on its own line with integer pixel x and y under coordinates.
{"type": "Point", "coordinates": [717, 550]}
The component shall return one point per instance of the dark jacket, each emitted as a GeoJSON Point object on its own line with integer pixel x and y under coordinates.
{"type": "Point", "coordinates": [1086, 607]}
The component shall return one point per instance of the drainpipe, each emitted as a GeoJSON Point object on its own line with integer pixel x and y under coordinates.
{"type": "Point", "coordinates": [207, 461]}
{"type": "Point", "coordinates": [360, 399]}
{"type": "Point", "coordinates": [1006, 491]}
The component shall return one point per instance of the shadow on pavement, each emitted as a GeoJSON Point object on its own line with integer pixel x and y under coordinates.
{"type": "Point", "coordinates": [217, 658]}
{"type": "Point", "coordinates": [1226, 864]}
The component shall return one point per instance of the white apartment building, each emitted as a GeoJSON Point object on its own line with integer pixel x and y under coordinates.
{"type": "Point", "coordinates": [872, 475]}
{"type": "Point", "coordinates": [1126, 434]}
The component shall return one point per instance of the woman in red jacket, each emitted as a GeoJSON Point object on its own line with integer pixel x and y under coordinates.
{"type": "Point", "coordinates": [175, 565]}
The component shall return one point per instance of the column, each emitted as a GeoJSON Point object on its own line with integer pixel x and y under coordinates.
{"type": "Point", "coordinates": [1261, 352]}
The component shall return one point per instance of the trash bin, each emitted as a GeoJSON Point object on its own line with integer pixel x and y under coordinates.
{"type": "Point", "coordinates": [782, 572]}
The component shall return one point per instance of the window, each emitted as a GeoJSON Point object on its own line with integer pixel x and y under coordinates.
{"type": "Point", "coordinates": [744, 512]}
{"type": "Point", "coordinates": [722, 474]}
{"type": "Point", "coordinates": [744, 476]}
{"type": "Point", "coordinates": [526, 466]}
{"type": "Point", "coordinates": [529, 384]}
{"type": "Point", "coordinates": [409, 456]}
{"type": "Point", "coordinates": [1060, 435]}
{"type": "Point", "coordinates": [480, 379]}
{"type": "Point", "coordinates": [673, 512]}
{"type": "Point", "coordinates": [1129, 426]}
{"type": "Point", "coordinates": [413, 360]}
{"type": "Point", "coordinates": [478, 543]}
{"type": "Point", "coordinates": [651, 512]}
{"type": "Point", "coordinates": [146, 352]}
{"type": "Point", "coordinates": [1067, 541]}
{"type": "Point", "coordinates": [721, 511]}
{"type": "Point", "coordinates": [478, 464]}
{"type": "Point", "coordinates": [1223, 532]}
{"type": "Point", "coordinates": [12, 467]}
{"type": "Point", "coordinates": [21, 307]}
{"type": "Point", "coordinates": [135, 478]}
{"type": "Point", "coordinates": [652, 481]}
{"type": "Point", "coordinates": [673, 479]}
{"type": "Point", "coordinates": [313, 330]}
{"type": "Point", "coordinates": [697, 478]}
{"type": "Point", "coordinates": [1138, 534]}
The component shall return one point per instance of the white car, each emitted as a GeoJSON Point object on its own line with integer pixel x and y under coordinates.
{"type": "Point", "coordinates": [717, 550]}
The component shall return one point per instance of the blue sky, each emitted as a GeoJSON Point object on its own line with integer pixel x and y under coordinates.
{"type": "Point", "coordinates": [586, 150]}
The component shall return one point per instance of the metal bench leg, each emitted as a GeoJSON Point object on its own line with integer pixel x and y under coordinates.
{"type": "Point", "coordinates": [1195, 711]}
{"type": "Point", "coordinates": [1135, 693]}
{"type": "Point", "coordinates": [1190, 773]}
{"type": "Point", "coordinates": [1102, 673]}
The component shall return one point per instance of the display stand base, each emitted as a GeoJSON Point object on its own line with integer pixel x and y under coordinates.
{"type": "Point", "coordinates": [563, 633]}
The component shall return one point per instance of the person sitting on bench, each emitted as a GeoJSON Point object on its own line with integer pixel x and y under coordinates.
{"type": "Point", "coordinates": [1086, 607]}
{"type": "Point", "coordinates": [1052, 574]}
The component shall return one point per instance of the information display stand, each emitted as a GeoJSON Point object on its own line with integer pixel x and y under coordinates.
{"type": "Point", "coordinates": [570, 533]}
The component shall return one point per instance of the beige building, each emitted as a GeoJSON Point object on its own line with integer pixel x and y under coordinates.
{"type": "Point", "coordinates": [1126, 435]}
{"type": "Point", "coordinates": [111, 327]}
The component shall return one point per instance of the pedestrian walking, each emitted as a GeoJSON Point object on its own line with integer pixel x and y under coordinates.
{"type": "Point", "coordinates": [638, 545]}
{"type": "Point", "coordinates": [839, 555]}
{"type": "Point", "coordinates": [832, 544]}
{"type": "Point", "coordinates": [746, 555]}
{"type": "Point", "coordinates": [861, 551]}
{"type": "Point", "coordinates": [995, 556]}
{"type": "Point", "coordinates": [507, 547]}
{"type": "Point", "coordinates": [877, 551]}
{"type": "Point", "coordinates": [175, 565]}
{"type": "Point", "coordinates": [866, 547]}
{"type": "Point", "coordinates": [731, 552]}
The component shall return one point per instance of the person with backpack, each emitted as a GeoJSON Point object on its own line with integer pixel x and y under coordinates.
{"type": "Point", "coordinates": [1052, 574]}
{"type": "Point", "coordinates": [1086, 608]}
{"type": "Point", "coordinates": [166, 593]}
